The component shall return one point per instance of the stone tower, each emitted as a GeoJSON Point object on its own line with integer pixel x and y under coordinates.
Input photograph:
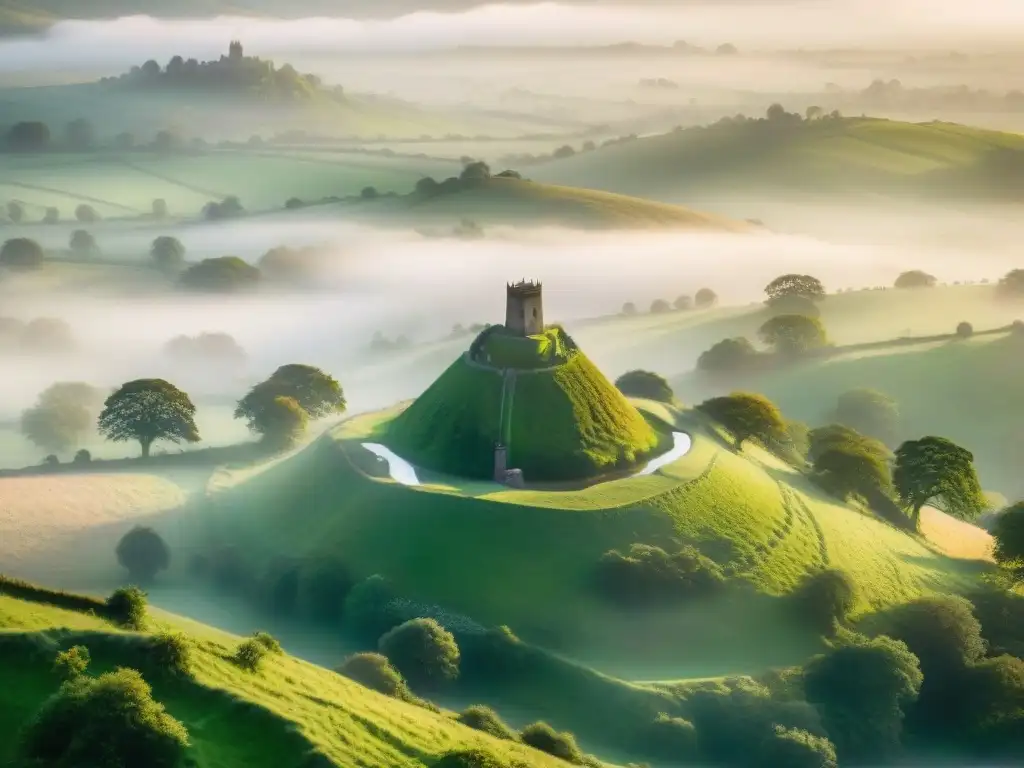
{"type": "Point", "coordinates": [235, 52]}
{"type": "Point", "coordinates": [524, 308]}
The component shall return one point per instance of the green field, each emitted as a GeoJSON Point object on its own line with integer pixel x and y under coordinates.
{"type": "Point", "coordinates": [562, 422]}
{"type": "Point", "coordinates": [525, 558]}
{"type": "Point", "coordinates": [291, 713]}
{"type": "Point", "coordinates": [851, 154]}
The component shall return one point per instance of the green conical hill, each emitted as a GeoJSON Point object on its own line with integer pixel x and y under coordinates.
{"type": "Point", "coordinates": [559, 416]}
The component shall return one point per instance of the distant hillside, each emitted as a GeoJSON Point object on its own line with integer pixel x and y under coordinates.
{"type": "Point", "coordinates": [862, 155]}
{"type": "Point", "coordinates": [507, 201]}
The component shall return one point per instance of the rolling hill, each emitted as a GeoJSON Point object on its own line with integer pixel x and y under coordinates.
{"type": "Point", "coordinates": [855, 155]}
{"type": "Point", "coordinates": [289, 714]}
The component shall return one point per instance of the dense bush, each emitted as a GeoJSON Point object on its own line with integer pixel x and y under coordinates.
{"type": "Point", "coordinates": [127, 606]}
{"type": "Point", "coordinates": [72, 663]}
{"type": "Point", "coordinates": [964, 330]}
{"type": "Point", "coordinates": [423, 651]}
{"type": "Point", "coordinates": [226, 274]}
{"type": "Point", "coordinates": [86, 214]}
{"type": "Point", "coordinates": [728, 356]}
{"type": "Point", "coordinates": [825, 598]}
{"type": "Point", "coordinates": [269, 642]}
{"type": "Point", "coordinates": [648, 575]}
{"type": "Point", "coordinates": [324, 583]}
{"type": "Point", "coordinates": [542, 736]}
{"type": "Point", "coordinates": [143, 553]}
{"type": "Point", "coordinates": [368, 609]}
{"type": "Point", "coordinates": [111, 720]}
{"type": "Point", "coordinates": [795, 748]}
{"type": "Point", "coordinates": [705, 298]}
{"type": "Point", "coordinates": [249, 655]}
{"type": "Point", "coordinates": [1008, 533]}
{"type": "Point", "coordinates": [861, 690]}
{"type": "Point", "coordinates": [21, 254]}
{"type": "Point", "coordinates": [170, 653]}
{"type": "Point", "coordinates": [646, 385]}
{"type": "Point", "coordinates": [915, 278]}
{"type": "Point", "coordinates": [469, 758]}
{"type": "Point", "coordinates": [375, 672]}
{"type": "Point", "coordinates": [485, 719]}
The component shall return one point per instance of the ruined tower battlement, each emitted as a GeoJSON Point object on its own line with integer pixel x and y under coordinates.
{"type": "Point", "coordinates": [524, 308]}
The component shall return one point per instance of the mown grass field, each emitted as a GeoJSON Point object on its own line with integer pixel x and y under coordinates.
{"type": "Point", "coordinates": [291, 713]}
{"type": "Point", "coordinates": [525, 558]}
{"type": "Point", "coordinates": [852, 154]}
{"type": "Point", "coordinates": [561, 423]}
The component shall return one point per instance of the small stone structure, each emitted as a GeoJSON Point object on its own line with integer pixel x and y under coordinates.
{"type": "Point", "coordinates": [513, 478]}
{"type": "Point", "coordinates": [524, 308]}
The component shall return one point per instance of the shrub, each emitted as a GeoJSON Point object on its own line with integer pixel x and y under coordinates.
{"type": "Point", "coordinates": [728, 356]}
{"type": "Point", "coordinates": [705, 298]}
{"type": "Point", "coordinates": [127, 606]}
{"type": "Point", "coordinates": [82, 457]}
{"type": "Point", "coordinates": [51, 460]}
{"type": "Point", "coordinates": [143, 553]}
{"type": "Point", "coordinates": [1008, 533]}
{"type": "Point", "coordinates": [324, 584]}
{"type": "Point", "coordinates": [249, 655]}
{"type": "Point", "coordinates": [268, 641]}
{"type": "Point", "coordinates": [672, 739]}
{"type": "Point", "coordinates": [629, 308]}
{"type": "Point", "coordinates": [367, 611]}
{"type": "Point", "coordinates": [915, 278]}
{"type": "Point", "coordinates": [964, 330]}
{"type": "Point", "coordinates": [21, 254]}
{"type": "Point", "coordinates": [423, 651]}
{"type": "Point", "coordinates": [72, 663]}
{"type": "Point", "coordinates": [660, 307]}
{"type": "Point", "coordinates": [225, 274]}
{"type": "Point", "coordinates": [682, 303]}
{"type": "Point", "coordinates": [648, 575]}
{"type": "Point", "coordinates": [469, 758]}
{"type": "Point", "coordinates": [375, 672]}
{"type": "Point", "coordinates": [86, 214]}
{"type": "Point", "coordinates": [542, 736]}
{"type": "Point", "coordinates": [796, 748]}
{"type": "Point", "coordinates": [645, 384]}
{"type": "Point", "coordinates": [111, 720]}
{"type": "Point", "coordinates": [485, 719]}
{"type": "Point", "coordinates": [170, 653]}
{"type": "Point", "coordinates": [825, 598]}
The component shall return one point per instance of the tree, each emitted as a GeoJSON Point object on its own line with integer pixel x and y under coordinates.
{"type": "Point", "coordinates": [206, 349]}
{"type": "Point", "coordinates": [143, 553]}
{"type": "Point", "coordinates": [1009, 538]}
{"type": "Point", "coordinates": [850, 471]}
{"type": "Point", "coordinates": [159, 208]}
{"type": "Point", "coordinates": [728, 356]}
{"type": "Point", "coordinates": [804, 286]}
{"type": "Point", "coordinates": [839, 436]}
{"type": "Point", "coordinates": [282, 422]}
{"type": "Point", "coordinates": [315, 391]}
{"type": "Point", "coordinates": [475, 172]}
{"type": "Point", "coordinates": [423, 651]}
{"type": "Point", "coordinates": [964, 330]}
{"type": "Point", "coordinates": [63, 414]}
{"type": "Point", "coordinates": [148, 410]}
{"type": "Point", "coordinates": [226, 274]}
{"type": "Point", "coordinates": [659, 306]}
{"type": "Point", "coordinates": [645, 384]}
{"type": "Point", "coordinates": [796, 748]}
{"type": "Point", "coordinates": [124, 141]}
{"type": "Point", "coordinates": [48, 335]}
{"type": "Point", "coordinates": [15, 211]}
{"type": "Point", "coordinates": [814, 113]}
{"type": "Point", "coordinates": [870, 412]}
{"type": "Point", "coordinates": [369, 193]}
{"type": "Point", "coordinates": [374, 671]}
{"type": "Point", "coordinates": [82, 243]}
{"type": "Point", "coordinates": [793, 334]}
{"type": "Point", "coordinates": [915, 278]}
{"type": "Point", "coordinates": [1011, 286]}
{"type": "Point", "coordinates": [935, 469]}
{"type": "Point", "coordinates": [860, 689]}
{"type": "Point", "coordinates": [167, 252]}
{"type": "Point", "coordinates": [86, 214]}
{"type": "Point", "coordinates": [426, 186]}
{"type": "Point", "coordinates": [682, 303]}
{"type": "Point", "coordinates": [228, 208]}
{"type": "Point", "coordinates": [21, 255]}
{"type": "Point", "coordinates": [794, 305]}
{"type": "Point", "coordinates": [629, 308]}
{"type": "Point", "coordinates": [81, 135]}
{"type": "Point", "coordinates": [52, 216]}
{"type": "Point", "coordinates": [110, 720]}
{"type": "Point", "coordinates": [29, 137]}
{"type": "Point", "coordinates": [705, 298]}
{"type": "Point", "coordinates": [746, 416]}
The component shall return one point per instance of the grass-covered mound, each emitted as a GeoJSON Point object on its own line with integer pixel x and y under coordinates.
{"type": "Point", "coordinates": [560, 422]}
{"type": "Point", "coordinates": [233, 717]}
{"type": "Point", "coordinates": [863, 154]}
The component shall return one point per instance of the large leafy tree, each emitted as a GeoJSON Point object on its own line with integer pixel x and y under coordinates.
{"type": "Point", "coordinates": [21, 254]}
{"type": "Point", "coordinates": [793, 334]}
{"type": "Point", "coordinates": [317, 393]}
{"type": "Point", "coordinates": [225, 274]}
{"type": "Point", "coordinates": [938, 470]}
{"type": "Point", "coordinates": [645, 384]}
{"type": "Point", "coordinates": [148, 410]}
{"type": "Point", "coordinates": [795, 285]}
{"type": "Point", "coordinates": [168, 253]}
{"type": "Point", "coordinates": [63, 414]}
{"type": "Point", "coordinates": [746, 416]}
{"type": "Point", "coordinates": [728, 356]}
{"type": "Point", "coordinates": [839, 436]}
{"type": "Point", "coordinates": [869, 412]}
{"type": "Point", "coordinates": [852, 470]}
{"type": "Point", "coordinates": [143, 553]}
{"type": "Point", "coordinates": [915, 278]}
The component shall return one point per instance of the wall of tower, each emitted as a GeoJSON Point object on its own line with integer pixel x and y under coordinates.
{"type": "Point", "coordinates": [524, 312]}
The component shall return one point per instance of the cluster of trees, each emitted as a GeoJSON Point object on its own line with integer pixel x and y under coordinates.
{"type": "Point", "coordinates": [646, 385]}
{"type": "Point", "coordinates": [235, 74]}
{"type": "Point", "coordinates": [79, 136]}
{"type": "Point", "coordinates": [705, 298]}
{"type": "Point", "coordinates": [42, 336]}
{"type": "Point", "coordinates": [222, 274]}
{"type": "Point", "coordinates": [218, 349]}
{"type": "Point", "coordinates": [474, 173]}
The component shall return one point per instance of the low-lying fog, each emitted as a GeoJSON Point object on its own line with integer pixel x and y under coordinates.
{"type": "Point", "coordinates": [407, 284]}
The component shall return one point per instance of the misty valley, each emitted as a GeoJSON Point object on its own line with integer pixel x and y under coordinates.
{"type": "Point", "coordinates": [442, 384]}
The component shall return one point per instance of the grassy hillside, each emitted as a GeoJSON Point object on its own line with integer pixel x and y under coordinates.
{"type": "Point", "coordinates": [514, 201]}
{"type": "Point", "coordinates": [851, 154]}
{"type": "Point", "coordinates": [290, 713]}
{"type": "Point", "coordinates": [559, 423]}
{"type": "Point", "coordinates": [526, 558]}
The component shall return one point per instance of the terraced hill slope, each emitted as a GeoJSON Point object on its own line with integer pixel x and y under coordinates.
{"type": "Point", "coordinates": [560, 422]}
{"type": "Point", "coordinates": [851, 154]}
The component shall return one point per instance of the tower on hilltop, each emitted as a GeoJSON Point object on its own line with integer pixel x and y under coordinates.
{"type": "Point", "coordinates": [524, 308]}
{"type": "Point", "coordinates": [235, 52]}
